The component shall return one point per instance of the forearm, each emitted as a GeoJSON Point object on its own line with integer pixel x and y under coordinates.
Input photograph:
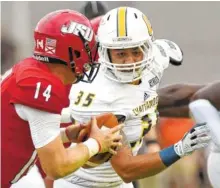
{"type": "Point", "coordinates": [131, 168]}
{"type": "Point", "coordinates": [174, 99]}
{"type": "Point", "coordinates": [141, 166]}
{"type": "Point", "coordinates": [76, 157]}
{"type": "Point", "coordinates": [151, 142]}
{"type": "Point", "coordinates": [58, 162]}
{"type": "Point", "coordinates": [209, 92]}
{"type": "Point", "coordinates": [181, 111]}
{"type": "Point", "coordinates": [151, 135]}
{"type": "Point", "coordinates": [177, 94]}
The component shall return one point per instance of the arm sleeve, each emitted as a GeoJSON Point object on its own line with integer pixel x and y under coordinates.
{"type": "Point", "coordinates": [66, 115]}
{"type": "Point", "coordinates": [44, 126]}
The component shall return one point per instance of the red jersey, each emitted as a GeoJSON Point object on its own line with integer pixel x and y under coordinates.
{"type": "Point", "coordinates": [32, 84]}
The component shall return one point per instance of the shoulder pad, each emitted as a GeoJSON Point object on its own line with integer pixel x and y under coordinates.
{"type": "Point", "coordinates": [172, 50]}
{"type": "Point", "coordinates": [39, 89]}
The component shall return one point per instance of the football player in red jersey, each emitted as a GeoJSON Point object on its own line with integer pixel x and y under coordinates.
{"type": "Point", "coordinates": [34, 92]}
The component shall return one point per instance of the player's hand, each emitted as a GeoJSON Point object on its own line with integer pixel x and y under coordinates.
{"type": "Point", "coordinates": [198, 137]}
{"type": "Point", "coordinates": [108, 139]}
{"type": "Point", "coordinates": [107, 119]}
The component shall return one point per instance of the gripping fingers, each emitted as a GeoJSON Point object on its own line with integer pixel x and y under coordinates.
{"type": "Point", "coordinates": [200, 124]}
{"type": "Point", "coordinates": [94, 121]}
{"type": "Point", "coordinates": [117, 137]}
{"type": "Point", "coordinates": [112, 151]}
{"type": "Point", "coordinates": [204, 127]}
{"type": "Point", "coordinates": [200, 131]}
{"type": "Point", "coordinates": [200, 146]}
{"type": "Point", "coordinates": [202, 139]}
{"type": "Point", "coordinates": [117, 128]}
{"type": "Point", "coordinates": [116, 144]}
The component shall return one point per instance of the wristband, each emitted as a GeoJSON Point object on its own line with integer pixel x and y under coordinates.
{"type": "Point", "coordinates": [93, 146]}
{"type": "Point", "coordinates": [169, 156]}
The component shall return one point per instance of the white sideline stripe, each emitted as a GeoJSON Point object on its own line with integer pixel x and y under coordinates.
{"type": "Point", "coordinates": [17, 177]}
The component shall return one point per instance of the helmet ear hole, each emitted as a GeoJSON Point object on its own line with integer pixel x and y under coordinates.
{"type": "Point", "coordinates": [108, 17]}
{"type": "Point", "coordinates": [77, 53]}
{"type": "Point", "coordinates": [135, 15]}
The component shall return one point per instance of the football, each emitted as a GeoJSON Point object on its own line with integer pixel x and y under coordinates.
{"type": "Point", "coordinates": [97, 160]}
{"type": "Point", "coordinates": [107, 120]}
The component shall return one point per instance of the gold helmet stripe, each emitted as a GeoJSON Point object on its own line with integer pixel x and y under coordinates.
{"type": "Point", "coordinates": [147, 22]}
{"type": "Point", "coordinates": [122, 22]}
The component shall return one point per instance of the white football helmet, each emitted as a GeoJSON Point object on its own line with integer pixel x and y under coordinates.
{"type": "Point", "coordinates": [123, 28]}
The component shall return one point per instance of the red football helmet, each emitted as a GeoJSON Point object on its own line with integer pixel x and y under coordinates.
{"type": "Point", "coordinates": [95, 23]}
{"type": "Point", "coordinates": [66, 37]}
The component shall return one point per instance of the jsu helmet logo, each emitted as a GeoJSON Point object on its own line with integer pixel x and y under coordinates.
{"type": "Point", "coordinates": [75, 28]}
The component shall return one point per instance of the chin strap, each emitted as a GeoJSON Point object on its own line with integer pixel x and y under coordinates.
{"type": "Point", "coordinates": [109, 55]}
{"type": "Point", "coordinates": [94, 67]}
{"type": "Point", "coordinates": [86, 46]}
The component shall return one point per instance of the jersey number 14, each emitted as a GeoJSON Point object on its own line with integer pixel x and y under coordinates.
{"type": "Point", "coordinates": [46, 93]}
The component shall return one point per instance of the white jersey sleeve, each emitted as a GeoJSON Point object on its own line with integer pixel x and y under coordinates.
{"type": "Point", "coordinates": [44, 126]}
